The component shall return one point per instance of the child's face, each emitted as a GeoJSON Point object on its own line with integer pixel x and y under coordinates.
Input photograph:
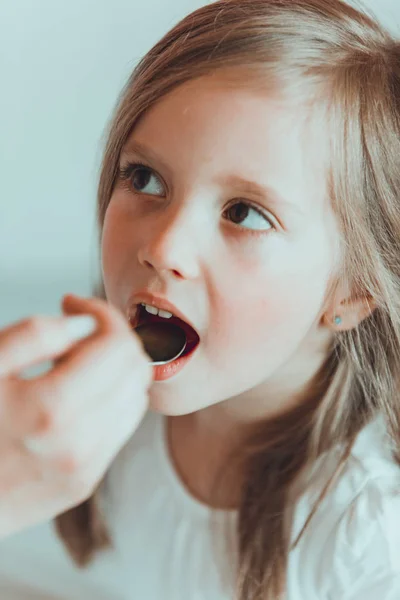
{"type": "Point", "coordinates": [254, 294]}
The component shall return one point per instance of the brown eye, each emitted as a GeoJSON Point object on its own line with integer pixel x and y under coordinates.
{"type": "Point", "coordinates": [240, 211]}
{"type": "Point", "coordinates": [138, 177]}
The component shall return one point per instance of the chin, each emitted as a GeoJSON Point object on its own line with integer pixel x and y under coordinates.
{"type": "Point", "coordinates": [170, 406]}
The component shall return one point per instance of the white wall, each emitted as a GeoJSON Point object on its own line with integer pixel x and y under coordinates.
{"type": "Point", "coordinates": [62, 65]}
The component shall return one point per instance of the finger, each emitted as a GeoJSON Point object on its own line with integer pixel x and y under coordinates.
{"type": "Point", "coordinates": [77, 441]}
{"type": "Point", "coordinates": [30, 407]}
{"type": "Point", "coordinates": [94, 361]}
{"type": "Point", "coordinates": [79, 458]}
{"type": "Point", "coordinates": [43, 408]}
{"type": "Point", "coordinates": [81, 379]}
{"type": "Point", "coordinates": [109, 316]}
{"type": "Point", "coordinates": [40, 338]}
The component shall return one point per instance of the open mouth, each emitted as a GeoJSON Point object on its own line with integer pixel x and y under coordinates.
{"type": "Point", "coordinates": [192, 337]}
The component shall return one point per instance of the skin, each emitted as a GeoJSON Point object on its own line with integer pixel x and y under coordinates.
{"type": "Point", "coordinates": [255, 289]}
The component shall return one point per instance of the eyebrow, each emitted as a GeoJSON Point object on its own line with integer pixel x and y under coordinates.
{"type": "Point", "coordinates": [146, 153]}
{"type": "Point", "coordinates": [232, 180]}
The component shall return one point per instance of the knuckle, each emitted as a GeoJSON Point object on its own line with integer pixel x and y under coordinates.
{"type": "Point", "coordinates": [47, 420]}
{"type": "Point", "coordinates": [34, 325]}
{"type": "Point", "coordinates": [44, 407]}
{"type": "Point", "coordinates": [71, 464]}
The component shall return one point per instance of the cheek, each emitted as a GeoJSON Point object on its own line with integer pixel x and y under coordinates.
{"type": "Point", "coordinates": [270, 319]}
{"type": "Point", "coordinates": [108, 247]}
{"type": "Point", "coordinates": [114, 251]}
{"type": "Point", "coordinates": [250, 323]}
{"type": "Point", "coordinates": [115, 237]}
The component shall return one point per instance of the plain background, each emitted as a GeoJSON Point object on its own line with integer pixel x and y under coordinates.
{"type": "Point", "coordinates": [62, 66]}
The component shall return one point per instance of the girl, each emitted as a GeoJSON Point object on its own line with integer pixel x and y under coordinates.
{"type": "Point", "coordinates": [268, 464]}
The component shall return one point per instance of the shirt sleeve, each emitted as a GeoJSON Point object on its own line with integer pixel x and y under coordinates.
{"type": "Point", "coordinates": [366, 557]}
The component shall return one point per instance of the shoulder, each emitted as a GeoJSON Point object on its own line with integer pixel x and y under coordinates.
{"type": "Point", "coordinates": [356, 532]}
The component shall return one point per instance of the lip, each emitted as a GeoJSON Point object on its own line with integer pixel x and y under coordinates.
{"type": "Point", "coordinates": [163, 372]}
{"type": "Point", "coordinates": [156, 301]}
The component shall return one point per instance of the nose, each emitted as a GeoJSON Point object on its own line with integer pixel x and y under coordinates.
{"type": "Point", "coordinates": [170, 247]}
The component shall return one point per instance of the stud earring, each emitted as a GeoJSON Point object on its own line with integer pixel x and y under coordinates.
{"type": "Point", "coordinates": [338, 320]}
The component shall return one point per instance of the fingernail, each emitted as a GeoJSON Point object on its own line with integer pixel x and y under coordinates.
{"type": "Point", "coordinates": [80, 326]}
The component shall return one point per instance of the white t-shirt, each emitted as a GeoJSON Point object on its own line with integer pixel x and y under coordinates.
{"type": "Point", "coordinates": [164, 548]}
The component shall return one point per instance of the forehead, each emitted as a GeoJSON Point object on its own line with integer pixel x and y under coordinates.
{"type": "Point", "coordinates": [219, 123]}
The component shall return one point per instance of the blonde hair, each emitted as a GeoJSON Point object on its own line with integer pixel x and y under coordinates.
{"type": "Point", "coordinates": [325, 51]}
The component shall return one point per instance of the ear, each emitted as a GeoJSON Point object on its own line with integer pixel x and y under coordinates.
{"type": "Point", "coordinates": [351, 311]}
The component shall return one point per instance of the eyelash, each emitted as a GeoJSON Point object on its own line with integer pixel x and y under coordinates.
{"type": "Point", "coordinates": [125, 175]}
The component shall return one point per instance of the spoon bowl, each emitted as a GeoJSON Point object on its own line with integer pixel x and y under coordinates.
{"type": "Point", "coordinates": [163, 342]}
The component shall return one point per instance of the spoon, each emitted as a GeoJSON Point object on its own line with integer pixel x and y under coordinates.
{"type": "Point", "coordinates": [163, 342]}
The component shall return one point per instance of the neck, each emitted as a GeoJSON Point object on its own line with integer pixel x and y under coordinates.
{"type": "Point", "coordinates": [204, 443]}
